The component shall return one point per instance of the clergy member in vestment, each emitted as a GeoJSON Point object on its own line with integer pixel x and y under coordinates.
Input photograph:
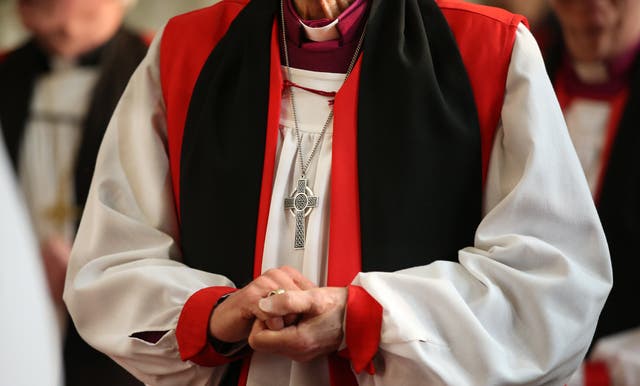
{"type": "Point", "coordinates": [27, 327]}
{"type": "Point", "coordinates": [374, 192]}
{"type": "Point", "coordinates": [595, 68]}
{"type": "Point", "coordinates": [58, 91]}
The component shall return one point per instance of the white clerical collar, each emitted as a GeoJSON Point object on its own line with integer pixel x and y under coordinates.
{"type": "Point", "coordinates": [591, 72]}
{"type": "Point", "coordinates": [322, 34]}
{"type": "Point", "coordinates": [59, 63]}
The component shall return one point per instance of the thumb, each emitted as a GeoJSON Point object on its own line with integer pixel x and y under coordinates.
{"type": "Point", "coordinates": [290, 302]}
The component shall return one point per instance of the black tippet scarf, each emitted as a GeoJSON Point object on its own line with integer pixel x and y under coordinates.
{"type": "Point", "coordinates": [418, 143]}
{"type": "Point", "coordinates": [619, 206]}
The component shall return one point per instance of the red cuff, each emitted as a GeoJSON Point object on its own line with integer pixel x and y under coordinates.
{"type": "Point", "coordinates": [192, 331]}
{"type": "Point", "coordinates": [363, 327]}
{"type": "Point", "coordinates": [596, 374]}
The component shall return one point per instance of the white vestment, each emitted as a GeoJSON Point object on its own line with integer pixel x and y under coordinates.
{"type": "Point", "coordinates": [518, 307]}
{"type": "Point", "coordinates": [48, 152]}
{"type": "Point", "coordinates": [588, 120]}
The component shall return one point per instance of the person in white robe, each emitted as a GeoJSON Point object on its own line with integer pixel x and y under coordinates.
{"type": "Point", "coordinates": [517, 307]}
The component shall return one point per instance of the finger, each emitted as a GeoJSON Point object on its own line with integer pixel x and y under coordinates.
{"type": "Point", "coordinates": [282, 279]}
{"type": "Point", "coordinates": [257, 327]}
{"type": "Point", "coordinates": [298, 278]}
{"type": "Point", "coordinates": [291, 319]}
{"type": "Point", "coordinates": [287, 342]}
{"type": "Point", "coordinates": [246, 299]}
{"type": "Point", "coordinates": [266, 340]}
{"type": "Point", "coordinates": [266, 285]}
{"type": "Point", "coordinates": [261, 286]}
{"type": "Point", "coordinates": [290, 302]}
{"type": "Point", "coordinates": [310, 338]}
{"type": "Point", "coordinates": [275, 324]}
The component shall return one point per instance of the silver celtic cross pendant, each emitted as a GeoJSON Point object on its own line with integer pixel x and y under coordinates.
{"type": "Point", "coordinates": [301, 202]}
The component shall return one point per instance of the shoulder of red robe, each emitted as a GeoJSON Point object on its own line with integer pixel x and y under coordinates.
{"type": "Point", "coordinates": [3, 55]}
{"type": "Point", "coordinates": [485, 37]}
{"type": "Point", "coordinates": [187, 41]}
{"type": "Point", "coordinates": [489, 14]}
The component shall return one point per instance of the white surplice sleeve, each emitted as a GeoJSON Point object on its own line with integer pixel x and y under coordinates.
{"type": "Point", "coordinates": [521, 305]}
{"type": "Point", "coordinates": [125, 276]}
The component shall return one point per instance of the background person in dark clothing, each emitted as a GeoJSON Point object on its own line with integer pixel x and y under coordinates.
{"type": "Point", "coordinates": [58, 92]}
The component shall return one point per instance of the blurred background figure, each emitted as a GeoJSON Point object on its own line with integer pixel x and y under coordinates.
{"type": "Point", "coordinates": [29, 337]}
{"type": "Point", "coordinates": [58, 92]}
{"type": "Point", "coordinates": [593, 60]}
{"type": "Point", "coordinates": [592, 52]}
{"type": "Point", "coordinates": [58, 89]}
{"type": "Point", "coordinates": [142, 15]}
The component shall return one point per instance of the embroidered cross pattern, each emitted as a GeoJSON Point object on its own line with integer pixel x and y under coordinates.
{"type": "Point", "coordinates": [301, 202]}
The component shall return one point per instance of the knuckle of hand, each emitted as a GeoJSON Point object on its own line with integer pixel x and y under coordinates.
{"type": "Point", "coordinates": [288, 301]}
{"type": "Point", "coordinates": [262, 283]}
{"type": "Point", "coordinates": [304, 344]}
{"type": "Point", "coordinates": [270, 272]}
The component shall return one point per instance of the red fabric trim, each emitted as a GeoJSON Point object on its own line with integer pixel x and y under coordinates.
{"type": "Point", "coordinates": [494, 31]}
{"type": "Point", "coordinates": [363, 326]}
{"type": "Point", "coordinates": [273, 124]}
{"type": "Point", "coordinates": [344, 226]}
{"type": "Point", "coordinates": [618, 105]}
{"type": "Point", "coordinates": [186, 43]}
{"type": "Point", "coordinates": [193, 327]}
{"type": "Point", "coordinates": [596, 374]}
{"type": "Point", "coordinates": [344, 261]}
{"type": "Point", "coordinates": [289, 84]}
{"type": "Point", "coordinates": [244, 373]}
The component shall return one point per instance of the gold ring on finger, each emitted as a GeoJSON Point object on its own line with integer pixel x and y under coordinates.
{"type": "Point", "coordinates": [278, 291]}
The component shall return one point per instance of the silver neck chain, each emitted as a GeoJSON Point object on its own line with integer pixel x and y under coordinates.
{"type": "Point", "coordinates": [305, 165]}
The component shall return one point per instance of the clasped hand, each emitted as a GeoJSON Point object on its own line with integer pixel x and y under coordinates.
{"type": "Point", "coordinates": [303, 323]}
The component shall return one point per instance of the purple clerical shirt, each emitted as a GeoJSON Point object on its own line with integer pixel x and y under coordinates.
{"type": "Point", "coordinates": [618, 70]}
{"type": "Point", "coordinates": [326, 56]}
